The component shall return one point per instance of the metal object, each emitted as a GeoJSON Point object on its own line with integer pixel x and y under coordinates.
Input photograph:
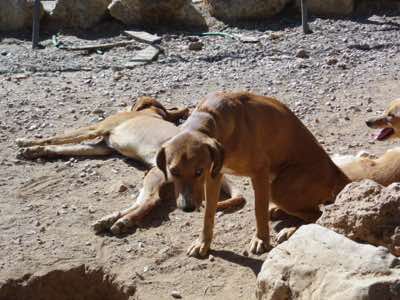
{"type": "Point", "coordinates": [35, 25]}
{"type": "Point", "coordinates": [304, 17]}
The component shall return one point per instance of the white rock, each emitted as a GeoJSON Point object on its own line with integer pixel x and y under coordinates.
{"type": "Point", "coordinates": [153, 13]}
{"type": "Point", "coordinates": [78, 13]}
{"type": "Point", "coordinates": [234, 10]}
{"type": "Point", "coordinates": [330, 7]}
{"type": "Point", "coordinates": [317, 263]}
{"type": "Point", "coordinates": [16, 14]}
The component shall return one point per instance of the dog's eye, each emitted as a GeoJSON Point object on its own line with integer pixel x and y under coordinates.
{"type": "Point", "coordinates": [174, 172]}
{"type": "Point", "coordinates": [198, 172]}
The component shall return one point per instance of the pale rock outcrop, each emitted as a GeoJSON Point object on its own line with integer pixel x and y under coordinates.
{"type": "Point", "coordinates": [330, 7]}
{"type": "Point", "coordinates": [153, 13]}
{"type": "Point", "coordinates": [318, 263]}
{"type": "Point", "coordinates": [237, 10]}
{"type": "Point", "coordinates": [368, 212]}
{"type": "Point", "coordinates": [16, 14]}
{"type": "Point", "coordinates": [78, 13]}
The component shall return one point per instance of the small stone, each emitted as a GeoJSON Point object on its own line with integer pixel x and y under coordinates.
{"type": "Point", "coordinates": [275, 35]}
{"type": "Point", "coordinates": [117, 76]}
{"type": "Point", "coordinates": [196, 46]}
{"type": "Point", "coordinates": [176, 295]}
{"type": "Point", "coordinates": [332, 61]}
{"type": "Point", "coordinates": [98, 111]}
{"type": "Point", "coordinates": [91, 210]}
{"type": "Point", "coordinates": [211, 258]}
{"type": "Point", "coordinates": [143, 36]}
{"type": "Point", "coordinates": [245, 253]}
{"type": "Point", "coordinates": [301, 53]}
{"type": "Point", "coordinates": [122, 188]}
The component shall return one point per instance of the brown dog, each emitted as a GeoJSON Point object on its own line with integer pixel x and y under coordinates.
{"type": "Point", "coordinates": [386, 168]}
{"type": "Point", "coordinates": [255, 136]}
{"type": "Point", "coordinates": [138, 134]}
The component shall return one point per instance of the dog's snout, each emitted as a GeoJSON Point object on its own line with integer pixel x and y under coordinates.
{"type": "Point", "coordinates": [369, 123]}
{"type": "Point", "coordinates": [186, 201]}
{"type": "Point", "coordinates": [377, 122]}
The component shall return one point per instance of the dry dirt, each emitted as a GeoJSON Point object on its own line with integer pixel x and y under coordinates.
{"type": "Point", "coordinates": [46, 207]}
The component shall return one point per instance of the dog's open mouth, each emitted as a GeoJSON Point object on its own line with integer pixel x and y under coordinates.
{"type": "Point", "coordinates": [385, 133]}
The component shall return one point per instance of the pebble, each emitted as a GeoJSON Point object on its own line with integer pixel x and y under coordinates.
{"type": "Point", "coordinates": [122, 188]}
{"type": "Point", "coordinates": [332, 61]}
{"type": "Point", "coordinates": [176, 295]}
{"type": "Point", "coordinates": [196, 46]}
{"type": "Point", "coordinates": [301, 53]}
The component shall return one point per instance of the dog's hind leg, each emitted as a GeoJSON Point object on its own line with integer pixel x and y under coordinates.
{"type": "Point", "coordinates": [235, 199]}
{"type": "Point", "coordinates": [72, 137]}
{"type": "Point", "coordinates": [51, 151]}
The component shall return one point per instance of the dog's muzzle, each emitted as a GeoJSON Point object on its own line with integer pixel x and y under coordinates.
{"type": "Point", "coordinates": [186, 202]}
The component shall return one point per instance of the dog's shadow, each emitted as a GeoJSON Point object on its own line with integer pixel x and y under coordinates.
{"type": "Point", "coordinates": [254, 264]}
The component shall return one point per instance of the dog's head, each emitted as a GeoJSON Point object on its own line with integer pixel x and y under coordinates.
{"type": "Point", "coordinates": [388, 123]}
{"type": "Point", "coordinates": [190, 159]}
{"type": "Point", "coordinates": [151, 105]}
{"type": "Point", "coordinates": [148, 103]}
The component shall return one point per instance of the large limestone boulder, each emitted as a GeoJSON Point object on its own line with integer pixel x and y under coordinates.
{"type": "Point", "coordinates": [366, 211]}
{"type": "Point", "coordinates": [330, 7]}
{"type": "Point", "coordinates": [317, 263]}
{"type": "Point", "coordinates": [237, 10]}
{"type": "Point", "coordinates": [78, 13]}
{"type": "Point", "coordinates": [152, 13]}
{"type": "Point", "coordinates": [15, 14]}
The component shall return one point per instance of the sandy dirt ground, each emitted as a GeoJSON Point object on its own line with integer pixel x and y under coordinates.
{"type": "Point", "coordinates": [350, 72]}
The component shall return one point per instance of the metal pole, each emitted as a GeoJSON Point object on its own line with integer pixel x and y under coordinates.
{"type": "Point", "coordinates": [35, 25]}
{"type": "Point", "coordinates": [304, 17]}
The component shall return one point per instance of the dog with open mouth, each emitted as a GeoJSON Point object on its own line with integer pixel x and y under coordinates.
{"type": "Point", "coordinates": [386, 168]}
{"type": "Point", "coordinates": [388, 123]}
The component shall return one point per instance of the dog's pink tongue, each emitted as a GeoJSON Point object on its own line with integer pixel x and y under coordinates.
{"type": "Point", "coordinates": [385, 133]}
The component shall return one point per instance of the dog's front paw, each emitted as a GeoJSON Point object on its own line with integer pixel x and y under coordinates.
{"type": "Point", "coordinates": [285, 234]}
{"type": "Point", "coordinates": [105, 223]}
{"type": "Point", "coordinates": [121, 226]}
{"type": "Point", "coordinates": [259, 246]}
{"type": "Point", "coordinates": [23, 142]}
{"type": "Point", "coordinates": [198, 249]}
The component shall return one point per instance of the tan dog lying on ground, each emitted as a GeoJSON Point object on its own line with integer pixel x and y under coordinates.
{"type": "Point", "coordinates": [136, 134]}
{"type": "Point", "coordinates": [254, 136]}
{"type": "Point", "coordinates": [386, 168]}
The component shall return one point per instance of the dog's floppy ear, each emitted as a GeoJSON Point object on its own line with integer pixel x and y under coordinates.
{"type": "Point", "coordinates": [161, 162]}
{"type": "Point", "coordinates": [217, 156]}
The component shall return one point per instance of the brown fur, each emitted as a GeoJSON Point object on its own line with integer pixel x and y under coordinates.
{"type": "Point", "coordinates": [386, 168]}
{"type": "Point", "coordinates": [258, 137]}
{"type": "Point", "coordinates": [137, 134]}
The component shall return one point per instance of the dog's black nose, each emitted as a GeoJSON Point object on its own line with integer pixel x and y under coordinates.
{"type": "Point", "coordinates": [369, 123]}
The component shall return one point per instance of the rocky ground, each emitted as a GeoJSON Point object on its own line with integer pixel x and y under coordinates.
{"type": "Point", "coordinates": [335, 78]}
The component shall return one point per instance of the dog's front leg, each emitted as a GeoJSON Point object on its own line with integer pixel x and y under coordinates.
{"type": "Point", "coordinates": [260, 243]}
{"type": "Point", "coordinates": [202, 245]}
